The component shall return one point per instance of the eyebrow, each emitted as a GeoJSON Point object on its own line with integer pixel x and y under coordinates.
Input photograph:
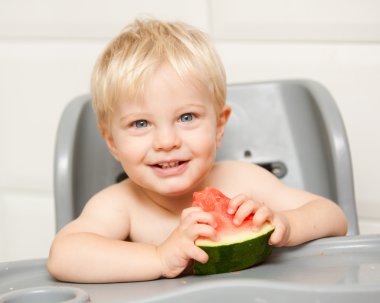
{"type": "Point", "coordinates": [200, 105]}
{"type": "Point", "coordinates": [137, 115]}
{"type": "Point", "coordinates": [132, 116]}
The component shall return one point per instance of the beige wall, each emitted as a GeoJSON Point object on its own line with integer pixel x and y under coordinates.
{"type": "Point", "coordinates": [47, 49]}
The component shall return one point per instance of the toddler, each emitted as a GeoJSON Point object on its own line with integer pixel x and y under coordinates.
{"type": "Point", "coordinates": [159, 93]}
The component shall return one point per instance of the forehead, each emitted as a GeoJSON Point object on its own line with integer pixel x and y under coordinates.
{"type": "Point", "coordinates": [166, 78]}
{"type": "Point", "coordinates": [166, 82]}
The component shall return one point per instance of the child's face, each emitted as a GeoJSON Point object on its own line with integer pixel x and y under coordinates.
{"type": "Point", "coordinates": [167, 142]}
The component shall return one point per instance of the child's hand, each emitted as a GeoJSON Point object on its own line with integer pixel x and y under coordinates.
{"type": "Point", "coordinates": [176, 252]}
{"type": "Point", "coordinates": [242, 207]}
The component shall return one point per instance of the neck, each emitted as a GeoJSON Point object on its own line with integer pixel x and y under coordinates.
{"type": "Point", "coordinates": [173, 204]}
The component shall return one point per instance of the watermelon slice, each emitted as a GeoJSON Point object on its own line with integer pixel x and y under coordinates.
{"type": "Point", "coordinates": [238, 247]}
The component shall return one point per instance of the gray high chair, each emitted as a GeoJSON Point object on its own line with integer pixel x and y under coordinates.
{"type": "Point", "coordinates": [291, 128]}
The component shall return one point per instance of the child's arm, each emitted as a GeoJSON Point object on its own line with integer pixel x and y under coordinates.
{"type": "Point", "coordinates": [298, 216]}
{"type": "Point", "coordinates": [86, 257]}
{"type": "Point", "coordinates": [91, 249]}
{"type": "Point", "coordinates": [315, 219]}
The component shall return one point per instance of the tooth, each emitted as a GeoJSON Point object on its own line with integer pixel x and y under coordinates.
{"type": "Point", "coordinates": [173, 164]}
{"type": "Point", "coordinates": [168, 164]}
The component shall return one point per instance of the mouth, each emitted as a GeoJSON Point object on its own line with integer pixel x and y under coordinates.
{"type": "Point", "coordinates": [170, 168]}
{"type": "Point", "coordinates": [167, 165]}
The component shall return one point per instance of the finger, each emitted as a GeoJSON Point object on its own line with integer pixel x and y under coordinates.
{"type": "Point", "coordinates": [190, 210]}
{"type": "Point", "coordinates": [198, 216]}
{"type": "Point", "coordinates": [262, 215]}
{"type": "Point", "coordinates": [202, 230]}
{"type": "Point", "coordinates": [198, 254]}
{"type": "Point", "coordinates": [247, 208]}
{"type": "Point", "coordinates": [277, 237]}
{"type": "Point", "coordinates": [235, 202]}
{"type": "Point", "coordinates": [280, 236]}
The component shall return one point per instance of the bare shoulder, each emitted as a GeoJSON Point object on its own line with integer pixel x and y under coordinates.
{"type": "Point", "coordinates": [238, 177]}
{"type": "Point", "coordinates": [241, 176]}
{"type": "Point", "coordinates": [117, 196]}
{"type": "Point", "coordinates": [242, 171]}
{"type": "Point", "coordinates": [107, 213]}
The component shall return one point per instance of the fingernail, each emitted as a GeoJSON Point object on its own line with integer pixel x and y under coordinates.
{"type": "Point", "coordinates": [230, 211]}
{"type": "Point", "coordinates": [236, 221]}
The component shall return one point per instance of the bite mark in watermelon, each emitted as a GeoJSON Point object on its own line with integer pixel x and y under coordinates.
{"type": "Point", "coordinates": [238, 247]}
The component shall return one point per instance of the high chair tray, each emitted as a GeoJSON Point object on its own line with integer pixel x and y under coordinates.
{"type": "Point", "coordinates": [342, 269]}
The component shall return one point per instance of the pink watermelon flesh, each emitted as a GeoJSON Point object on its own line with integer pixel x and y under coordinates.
{"type": "Point", "coordinates": [213, 201]}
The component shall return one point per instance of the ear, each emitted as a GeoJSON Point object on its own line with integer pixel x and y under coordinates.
{"type": "Point", "coordinates": [221, 123]}
{"type": "Point", "coordinates": [109, 141]}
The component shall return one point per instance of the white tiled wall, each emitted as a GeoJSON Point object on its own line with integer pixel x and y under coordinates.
{"type": "Point", "coordinates": [297, 20]}
{"type": "Point", "coordinates": [47, 49]}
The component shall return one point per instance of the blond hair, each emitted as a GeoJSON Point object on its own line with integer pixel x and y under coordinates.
{"type": "Point", "coordinates": [130, 58]}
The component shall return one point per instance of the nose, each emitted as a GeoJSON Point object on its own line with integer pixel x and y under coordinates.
{"type": "Point", "coordinates": [166, 138]}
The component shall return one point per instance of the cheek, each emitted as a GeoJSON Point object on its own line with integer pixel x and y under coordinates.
{"type": "Point", "coordinates": [203, 141]}
{"type": "Point", "coordinates": [131, 150]}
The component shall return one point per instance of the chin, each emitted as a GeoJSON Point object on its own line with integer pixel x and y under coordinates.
{"type": "Point", "coordinates": [177, 189]}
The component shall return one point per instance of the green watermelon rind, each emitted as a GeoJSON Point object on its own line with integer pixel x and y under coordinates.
{"type": "Point", "coordinates": [227, 255]}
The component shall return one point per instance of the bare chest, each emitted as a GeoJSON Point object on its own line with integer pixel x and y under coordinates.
{"type": "Point", "coordinates": [151, 226]}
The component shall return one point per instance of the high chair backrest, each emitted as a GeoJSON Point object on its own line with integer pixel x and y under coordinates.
{"type": "Point", "coordinates": [293, 128]}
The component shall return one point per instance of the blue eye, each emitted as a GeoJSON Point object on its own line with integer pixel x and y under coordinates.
{"type": "Point", "coordinates": [140, 123]}
{"type": "Point", "coordinates": [186, 117]}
